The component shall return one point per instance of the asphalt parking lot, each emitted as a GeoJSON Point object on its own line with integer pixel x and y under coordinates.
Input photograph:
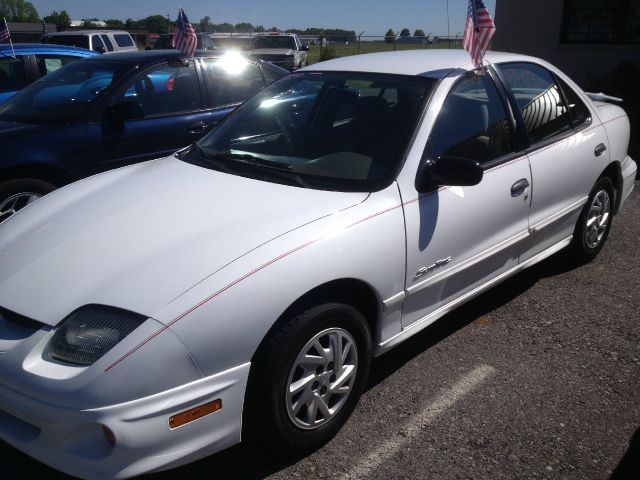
{"type": "Point", "coordinates": [538, 378]}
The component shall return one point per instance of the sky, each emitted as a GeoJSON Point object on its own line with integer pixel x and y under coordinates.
{"type": "Point", "coordinates": [373, 17]}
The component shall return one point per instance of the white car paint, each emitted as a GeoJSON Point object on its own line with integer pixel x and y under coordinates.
{"type": "Point", "coordinates": [213, 260]}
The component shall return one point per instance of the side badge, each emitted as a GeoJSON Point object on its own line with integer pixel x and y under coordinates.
{"type": "Point", "coordinates": [425, 270]}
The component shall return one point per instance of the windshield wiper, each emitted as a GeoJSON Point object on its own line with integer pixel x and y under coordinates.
{"type": "Point", "coordinates": [270, 168]}
{"type": "Point", "coordinates": [214, 161]}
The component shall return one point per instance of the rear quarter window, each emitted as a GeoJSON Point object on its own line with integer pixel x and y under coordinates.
{"type": "Point", "coordinates": [12, 75]}
{"type": "Point", "coordinates": [123, 40]}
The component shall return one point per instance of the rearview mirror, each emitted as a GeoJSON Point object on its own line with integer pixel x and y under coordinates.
{"type": "Point", "coordinates": [449, 171]}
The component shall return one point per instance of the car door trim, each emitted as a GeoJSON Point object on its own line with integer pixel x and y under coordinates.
{"type": "Point", "coordinates": [428, 319]}
{"type": "Point", "coordinates": [513, 240]}
{"type": "Point", "coordinates": [558, 215]}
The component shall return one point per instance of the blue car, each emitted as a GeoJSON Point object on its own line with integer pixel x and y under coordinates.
{"type": "Point", "coordinates": [113, 110]}
{"type": "Point", "coordinates": [31, 62]}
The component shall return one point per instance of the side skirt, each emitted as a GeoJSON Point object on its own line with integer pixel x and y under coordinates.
{"type": "Point", "coordinates": [428, 319]}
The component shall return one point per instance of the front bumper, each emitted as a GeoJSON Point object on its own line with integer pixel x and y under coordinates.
{"type": "Point", "coordinates": [73, 442]}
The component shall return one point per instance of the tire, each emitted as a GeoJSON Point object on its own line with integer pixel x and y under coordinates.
{"type": "Point", "coordinates": [271, 420]}
{"type": "Point", "coordinates": [16, 194]}
{"type": "Point", "coordinates": [594, 223]}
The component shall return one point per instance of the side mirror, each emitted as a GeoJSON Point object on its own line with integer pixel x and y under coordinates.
{"type": "Point", "coordinates": [305, 48]}
{"type": "Point", "coordinates": [451, 171]}
{"type": "Point", "coordinates": [122, 111]}
{"type": "Point", "coordinates": [99, 49]}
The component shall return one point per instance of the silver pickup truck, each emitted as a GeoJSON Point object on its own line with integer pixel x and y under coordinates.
{"type": "Point", "coordinates": [282, 49]}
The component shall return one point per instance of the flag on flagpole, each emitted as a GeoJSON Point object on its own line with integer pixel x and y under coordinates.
{"type": "Point", "coordinates": [4, 31]}
{"type": "Point", "coordinates": [184, 37]}
{"type": "Point", "coordinates": [478, 31]}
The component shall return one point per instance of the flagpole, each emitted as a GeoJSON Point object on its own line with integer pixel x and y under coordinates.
{"type": "Point", "coordinates": [10, 41]}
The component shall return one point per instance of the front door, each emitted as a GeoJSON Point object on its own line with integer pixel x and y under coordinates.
{"type": "Point", "coordinates": [171, 116]}
{"type": "Point", "coordinates": [459, 238]}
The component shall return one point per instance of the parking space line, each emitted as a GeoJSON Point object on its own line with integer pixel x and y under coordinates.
{"type": "Point", "coordinates": [412, 429]}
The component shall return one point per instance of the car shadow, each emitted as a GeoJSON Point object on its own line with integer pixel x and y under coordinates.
{"type": "Point", "coordinates": [247, 462]}
{"type": "Point", "coordinates": [629, 466]}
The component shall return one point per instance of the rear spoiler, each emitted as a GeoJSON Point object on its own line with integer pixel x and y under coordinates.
{"type": "Point", "coordinates": [601, 97]}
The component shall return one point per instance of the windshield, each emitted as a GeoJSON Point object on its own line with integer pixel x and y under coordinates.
{"type": "Point", "coordinates": [81, 41]}
{"type": "Point", "coordinates": [236, 43]}
{"type": "Point", "coordinates": [274, 42]}
{"type": "Point", "coordinates": [333, 131]}
{"type": "Point", "coordinates": [64, 94]}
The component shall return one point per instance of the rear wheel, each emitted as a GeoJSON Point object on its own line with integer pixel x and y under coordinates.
{"type": "Point", "coordinates": [594, 222]}
{"type": "Point", "coordinates": [308, 378]}
{"type": "Point", "coordinates": [17, 194]}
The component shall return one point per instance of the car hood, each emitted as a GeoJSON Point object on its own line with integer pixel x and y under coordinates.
{"type": "Point", "coordinates": [138, 237]}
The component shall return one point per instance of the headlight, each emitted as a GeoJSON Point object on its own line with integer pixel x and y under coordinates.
{"type": "Point", "coordinates": [90, 332]}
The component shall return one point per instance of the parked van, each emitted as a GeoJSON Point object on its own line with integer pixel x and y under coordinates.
{"type": "Point", "coordinates": [101, 41]}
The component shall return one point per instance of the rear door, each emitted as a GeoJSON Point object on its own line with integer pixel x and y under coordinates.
{"type": "Point", "coordinates": [567, 151]}
{"type": "Point", "coordinates": [171, 116]}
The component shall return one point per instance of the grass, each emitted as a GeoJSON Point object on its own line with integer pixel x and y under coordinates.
{"type": "Point", "coordinates": [343, 50]}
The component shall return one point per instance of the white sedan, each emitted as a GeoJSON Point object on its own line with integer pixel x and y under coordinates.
{"type": "Point", "coordinates": [156, 314]}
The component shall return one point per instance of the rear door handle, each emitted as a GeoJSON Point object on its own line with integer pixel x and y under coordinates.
{"type": "Point", "coordinates": [519, 187]}
{"type": "Point", "coordinates": [600, 149]}
{"type": "Point", "coordinates": [197, 128]}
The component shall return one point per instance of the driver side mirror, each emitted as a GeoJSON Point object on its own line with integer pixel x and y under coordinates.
{"type": "Point", "coordinates": [122, 111]}
{"type": "Point", "coordinates": [305, 48]}
{"type": "Point", "coordinates": [449, 171]}
{"type": "Point", "coordinates": [99, 49]}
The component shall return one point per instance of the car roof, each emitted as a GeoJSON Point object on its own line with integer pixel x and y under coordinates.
{"type": "Point", "coordinates": [149, 57]}
{"type": "Point", "coordinates": [84, 32]}
{"type": "Point", "coordinates": [413, 62]}
{"type": "Point", "coordinates": [27, 48]}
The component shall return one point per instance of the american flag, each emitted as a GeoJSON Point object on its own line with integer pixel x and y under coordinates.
{"type": "Point", "coordinates": [184, 37]}
{"type": "Point", "coordinates": [478, 31]}
{"type": "Point", "coordinates": [4, 31]}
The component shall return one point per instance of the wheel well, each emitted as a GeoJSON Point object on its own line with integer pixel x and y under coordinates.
{"type": "Point", "coordinates": [614, 172]}
{"type": "Point", "coordinates": [40, 172]}
{"type": "Point", "coordinates": [350, 291]}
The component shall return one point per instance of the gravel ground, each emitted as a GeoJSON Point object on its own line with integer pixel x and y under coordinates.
{"type": "Point", "coordinates": [538, 378]}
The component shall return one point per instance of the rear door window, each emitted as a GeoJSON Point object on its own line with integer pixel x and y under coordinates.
{"type": "Point", "coordinates": [539, 99]}
{"type": "Point", "coordinates": [123, 40]}
{"type": "Point", "coordinates": [96, 44]}
{"type": "Point", "coordinates": [12, 74]}
{"type": "Point", "coordinates": [232, 79]}
{"type": "Point", "coordinates": [107, 42]}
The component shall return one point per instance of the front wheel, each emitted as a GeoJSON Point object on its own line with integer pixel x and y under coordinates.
{"type": "Point", "coordinates": [17, 194]}
{"type": "Point", "coordinates": [308, 378]}
{"type": "Point", "coordinates": [594, 222]}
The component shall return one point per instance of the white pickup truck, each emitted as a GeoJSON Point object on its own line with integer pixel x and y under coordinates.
{"type": "Point", "coordinates": [282, 49]}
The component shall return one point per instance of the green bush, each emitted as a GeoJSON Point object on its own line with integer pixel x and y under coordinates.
{"type": "Point", "coordinates": [328, 53]}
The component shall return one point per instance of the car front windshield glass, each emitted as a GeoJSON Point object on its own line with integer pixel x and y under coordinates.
{"type": "Point", "coordinates": [64, 94]}
{"type": "Point", "coordinates": [331, 131]}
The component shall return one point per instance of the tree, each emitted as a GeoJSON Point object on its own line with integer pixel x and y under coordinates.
{"type": "Point", "coordinates": [88, 23]}
{"type": "Point", "coordinates": [405, 32]}
{"type": "Point", "coordinates": [244, 27]}
{"type": "Point", "coordinates": [390, 36]}
{"type": "Point", "coordinates": [154, 23]}
{"type": "Point", "coordinates": [18, 11]}
{"type": "Point", "coordinates": [62, 19]}
{"type": "Point", "coordinates": [205, 23]}
{"type": "Point", "coordinates": [114, 23]}
{"type": "Point", "coordinates": [419, 33]}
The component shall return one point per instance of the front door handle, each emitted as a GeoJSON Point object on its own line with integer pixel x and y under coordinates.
{"type": "Point", "coordinates": [600, 149]}
{"type": "Point", "coordinates": [519, 187]}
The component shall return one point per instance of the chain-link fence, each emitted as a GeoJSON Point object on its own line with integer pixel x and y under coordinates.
{"type": "Point", "coordinates": [324, 48]}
